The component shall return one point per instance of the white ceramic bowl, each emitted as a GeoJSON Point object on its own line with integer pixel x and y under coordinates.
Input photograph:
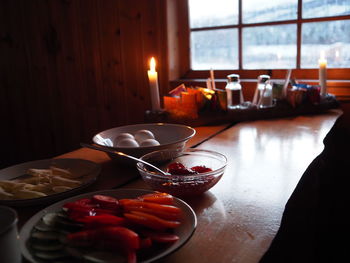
{"type": "Point", "coordinates": [169, 136]}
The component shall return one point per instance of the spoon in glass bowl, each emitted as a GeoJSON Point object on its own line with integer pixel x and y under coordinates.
{"type": "Point", "coordinates": [109, 150]}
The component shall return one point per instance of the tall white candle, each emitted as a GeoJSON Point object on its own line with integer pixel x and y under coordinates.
{"type": "Point", "coordinates": [322, 73]}
{"type": "Point", "coordinates": [153, 83]}
{"type": "Point", "coordinates": [212, 79]}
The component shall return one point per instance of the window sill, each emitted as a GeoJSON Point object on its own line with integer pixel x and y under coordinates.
{"type": "Point", "coordinates": [339, 88]}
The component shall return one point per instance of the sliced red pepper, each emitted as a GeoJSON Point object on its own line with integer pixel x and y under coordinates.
{"type": "Point", "coordinates": [72, 205]}
{"type": "Point", "coordinates": [82, 238]}
{"type": "Point", "coordinates": [150, 221]}
{"type": "Point", "coordinates": [116, 236]}
{"type": "Point", "coordinates": [154, 206]}
{"type": "Point", "coordinates": [103, 220]}
{"type": "Point", "coordinates": [124, 237]}
{"type": "Point", "coordinates": [103, 211]}
{"type": "Point", "coordinates": [85, 202]}
{"type": "Point", "coordinates": [142, 221]}
{"type": "Point", "coordinates": [158, 197]}
{"type": "Point", "coordinates": [77, 213]}
{"type": "Point", "coordinates": [160, 237]}
{"type": "Point", "coordinates": [161, 214]}
{"type": "Point", "coordinates": [106, 202]}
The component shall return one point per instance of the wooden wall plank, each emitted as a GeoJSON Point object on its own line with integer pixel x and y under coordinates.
{"type": "Point", "coordinates": [131, 50]}
{"type": "Point", "coordinates": [34, 22]}
{"type": "Point", "coordinates": [72, 68]}
{"type": "Point", "coordinates": [114, 94]}
{"type": "Point", "coordinates": [15, 92]}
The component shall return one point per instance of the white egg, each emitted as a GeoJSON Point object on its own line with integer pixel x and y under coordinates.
{"type": "Point", "coordinates": [123, 135]}
{"type": "Point", "coordinates": [142, 135]}
{"type": "Point", "coordinates": [127, 142]}
{"type": "Point", "coordinates": [149, 142]}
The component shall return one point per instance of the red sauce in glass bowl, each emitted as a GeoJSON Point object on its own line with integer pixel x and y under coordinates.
{"type": "Point", "coordinates": [184, 181]}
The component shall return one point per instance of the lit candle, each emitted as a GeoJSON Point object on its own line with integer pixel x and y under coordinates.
{"type": "Point", "coordinates": [322, 73]}
{"type": "Point", "coordinates": [153, 83]}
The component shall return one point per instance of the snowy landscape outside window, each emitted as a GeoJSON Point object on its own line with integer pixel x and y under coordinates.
{"type": "Point", "coordinates": [260, 34]}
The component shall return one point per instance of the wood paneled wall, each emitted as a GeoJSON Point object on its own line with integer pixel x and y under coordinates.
{"type": "Point", "coordinates": [71, 68]}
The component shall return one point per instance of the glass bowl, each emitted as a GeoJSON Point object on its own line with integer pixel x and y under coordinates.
{"type": "Point", "coordinates": [184, 184]}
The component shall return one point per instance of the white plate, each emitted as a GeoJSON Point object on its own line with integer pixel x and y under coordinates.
{"type": "Point", "coordinates": [184, 231]}
{"type": "Point", "coordinates": [89, 171]}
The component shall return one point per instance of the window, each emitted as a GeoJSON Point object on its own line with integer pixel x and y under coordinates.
{"type": "Point", "coordinates": [260, 34]}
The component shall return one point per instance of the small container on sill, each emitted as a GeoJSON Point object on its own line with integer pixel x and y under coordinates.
{"type": "Point", "coordinates": [234, 93]}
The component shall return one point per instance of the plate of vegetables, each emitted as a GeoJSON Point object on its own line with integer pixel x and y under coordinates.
{"type": "Point", "coordinates": [123, 225]}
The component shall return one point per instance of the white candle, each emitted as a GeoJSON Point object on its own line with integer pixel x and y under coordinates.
{"type": "Point", "coordinates": [212, 79]}
{"type": "Point", "coordinates": [322, 73]}
{"type": "Point", "coordinates": [153, 83]}
{"type": "Point", "coordinates": [209, 83]}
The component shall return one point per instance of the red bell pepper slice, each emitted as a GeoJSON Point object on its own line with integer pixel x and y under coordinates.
{"type": "Point", "coordinates": [160, 237]}
{"type": "Point", "coordinates": [85, 202]}
{"type": "Point", "coordinates": [158, 197]}
{"type": "Point", "coordinates": [124, 237]}
{"type": "Point", "coordinates": [150, 221]}
{"type": "Point", "coordinates": [82, 238]}
{"type": "Point", "coordinates": [77, 213]}
{"type": "Point", "coordinates": [154, 206]}
{"type": "Point", "coordinates": [106, 202]}
{"type": "Point", "coordinates": [103, 220]}
{"type": "Point", "coordinates": [103, 211]}
{"type": "Point", "coordinates": [161, 214]}
{"type": "Point", "coordinates": [120, 237]}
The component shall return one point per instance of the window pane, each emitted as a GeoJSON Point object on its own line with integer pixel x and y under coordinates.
{"type": "Point", "coordinates": [320, 8]}
{"type": "Point", "coordinates": [255, 11]}
{"type": "Point", "coordinates": [270, 47]}
{"type": "Point", "coordinates": [217, 49]}
{"type": "Point", "coordinates": [331, 37]}
{"type": "Point", "coordinates": [208, 13]}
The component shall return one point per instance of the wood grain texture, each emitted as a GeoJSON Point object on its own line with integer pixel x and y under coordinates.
{"type": "Point", "coordinates": [72, 68]}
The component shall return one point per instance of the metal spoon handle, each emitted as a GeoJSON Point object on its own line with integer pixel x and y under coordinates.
{"type": "Point", "coordinates": [106, 149]}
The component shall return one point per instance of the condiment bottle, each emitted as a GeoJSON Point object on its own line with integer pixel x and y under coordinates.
{"type": "Point", "coordinates": [266, 98]}
{"type": "Point", "coordinates": [234, 92]}
{"type": "Point", "coordinates": [260, 90]}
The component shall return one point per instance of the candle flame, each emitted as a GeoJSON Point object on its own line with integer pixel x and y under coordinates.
{"type": "Point", "coordinates": [152, 64]}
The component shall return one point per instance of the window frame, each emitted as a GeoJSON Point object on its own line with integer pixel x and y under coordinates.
{"type": "Point", "coordinates": [183, 31]}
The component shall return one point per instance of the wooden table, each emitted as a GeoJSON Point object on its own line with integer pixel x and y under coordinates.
{"type": "Point", "coordinates": [238, 217]}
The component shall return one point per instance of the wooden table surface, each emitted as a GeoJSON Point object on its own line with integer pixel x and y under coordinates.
{"type": "Point", "coordinates": [238, 217]}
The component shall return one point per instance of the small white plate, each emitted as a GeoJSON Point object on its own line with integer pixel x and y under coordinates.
{"type": "Point", "coordinates": [89, 171]}
{"type": "Point", "coordinates": [184, 231]}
